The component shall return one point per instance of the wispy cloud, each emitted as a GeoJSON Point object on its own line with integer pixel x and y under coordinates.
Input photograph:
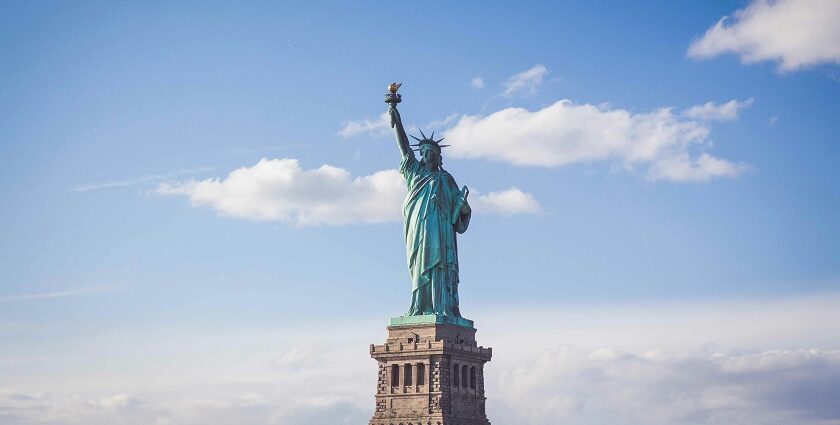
{"type": "Point", "coordinates": [378, 127]}
{"type": "Point", "coordinates": [794, 33]}
{"type": "Point", "coordinates": [477, 83]}
{"type": "Point", "coordinates": [66, 293]}
{"type": "Point", "coordinates": [139, 180]}
{"type": "Point", "coordinates": [711, 111]}
{"type": "Point", "coordinates": [438, 124]}
{"type": "Point", "coordinates": [525, 82]}
{"type": "Point", "coordinates": [381, 126]}
{"type": "Point", "coordinates": [263, 149]}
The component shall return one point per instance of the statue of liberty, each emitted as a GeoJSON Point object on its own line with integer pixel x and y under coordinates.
{"type": "Point", "coordinates": [433, 211]}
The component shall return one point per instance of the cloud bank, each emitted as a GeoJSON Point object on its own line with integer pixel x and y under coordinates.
{"type": "Point", "coordinates": [738, 363]}
{"type": "Point", "coordinates": [566, 133]}
{"type": "Point", "coordinates": [742, 363]}
{"type": "Point", "coordinates": [567, 384]}
{"type": "Point", "coordinates": [280, 190]}
{"type": "Point", "coordinates": [605, 385]}
{"type": "Point", "coordinates": [794, 33]}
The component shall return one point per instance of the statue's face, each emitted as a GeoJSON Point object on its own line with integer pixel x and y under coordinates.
{"type": "Point", "coordinates": [430, 155]}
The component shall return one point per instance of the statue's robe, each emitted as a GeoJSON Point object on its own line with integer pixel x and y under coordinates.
{"type": "Point", "coordinates": [431, 246]}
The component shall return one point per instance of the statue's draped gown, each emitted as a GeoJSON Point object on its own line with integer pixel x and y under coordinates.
{"type": "Point", "coordinates": [430, 241]}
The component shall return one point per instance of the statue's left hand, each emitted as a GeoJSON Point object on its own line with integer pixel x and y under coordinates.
{"type": "Point", "coordinates": [465, 208]}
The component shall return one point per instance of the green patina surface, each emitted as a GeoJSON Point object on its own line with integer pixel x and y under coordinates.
{"type": "Point", "coordinates": [428, 319]}
{"type": "Point", "coordinates": [434, 212]}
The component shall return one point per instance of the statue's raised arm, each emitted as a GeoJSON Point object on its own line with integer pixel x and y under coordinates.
{"type": "Point", "coordinates": [392, 98]}
{"type": "Point", "coordinates": [435, 211]}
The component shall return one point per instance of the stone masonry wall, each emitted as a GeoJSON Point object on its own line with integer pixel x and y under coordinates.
{"type": "Point", "coordinates": [434, 400]}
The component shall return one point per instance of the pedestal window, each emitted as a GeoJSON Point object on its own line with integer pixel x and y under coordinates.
{"type": "Point", "coordinates": [407, 375]}
{"type": "Point", "coordinates": [456, 375]}
{"type": "Point", "coordinates": [464, 376]}
{"type": "Point", "coordinates": [395, 375]}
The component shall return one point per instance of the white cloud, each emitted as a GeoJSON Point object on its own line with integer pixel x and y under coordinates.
{"type": "Point", "coordinates": [565, 133]}
{"type": "Point", "coordinates": [525, 82]}
{"type": "Point", "coordinates": [796, 33]}
{"type": "Point", "coordinates": [378, 127]}
{"type": "Point", "coordinates": [506, 202]}
{"type": "Point", "coordinates": [280, 190]}
{"type": "Point", "coordinates": [477, 83]}
{"type": "Point", "coordinates": [711, 111]}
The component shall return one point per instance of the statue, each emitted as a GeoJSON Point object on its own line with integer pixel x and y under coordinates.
{"type": "Point", "coordinates": [433, 211]}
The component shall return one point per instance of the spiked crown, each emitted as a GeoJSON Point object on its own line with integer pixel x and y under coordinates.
{"type": "Point", "coordinates": [428, 141]}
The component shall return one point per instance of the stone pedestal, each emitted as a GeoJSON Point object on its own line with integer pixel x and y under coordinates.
{"type": "Point", "coordinates": [430, 374]}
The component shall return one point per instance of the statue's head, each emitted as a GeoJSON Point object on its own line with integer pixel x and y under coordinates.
{"type": "Point", "coordinates": [430, 149]}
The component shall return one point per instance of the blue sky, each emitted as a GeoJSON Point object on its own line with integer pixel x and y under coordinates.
{"type": "Point", "coordinates": [163, 182]}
